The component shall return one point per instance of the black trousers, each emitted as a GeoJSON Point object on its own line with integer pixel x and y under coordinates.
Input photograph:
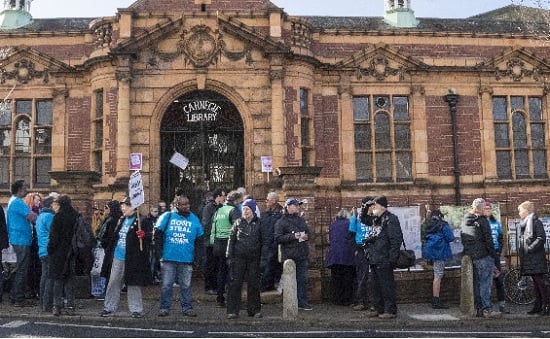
{"type": "Point", "coordinates": [341, 284]}
{"type": "Point", "coordinates": [362, 277]}
{"type": "Point", "coordinates": [210, 269]}
{"type": "Point", "coordinates": [384, 288]}
{"type": "Point", "coordinates": [244, 269]}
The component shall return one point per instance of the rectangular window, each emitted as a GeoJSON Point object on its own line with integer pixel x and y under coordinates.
{"type": "Point", "coordinates": [97, 154]}
{"type": "Point", "coordinates": [382, 141]}
{"type": "Point", "coordinates": [26, 127]}
{"type": "Point", "coordinates": [519, 137]}
{"type": "Point", "coordinates": [305, 128]}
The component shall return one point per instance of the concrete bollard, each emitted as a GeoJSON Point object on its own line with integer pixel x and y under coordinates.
{"type": "Point", "coordinates": [467, 305]}
{"type": "Point", "coordinates": [290, 291]}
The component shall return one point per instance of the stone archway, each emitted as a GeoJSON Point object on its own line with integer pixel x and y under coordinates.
{"type": "Point", "coordinates": [206, 128]}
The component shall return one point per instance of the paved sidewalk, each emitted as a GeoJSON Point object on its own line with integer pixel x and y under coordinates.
{"type": "Point", "coordinates": [322, 315]}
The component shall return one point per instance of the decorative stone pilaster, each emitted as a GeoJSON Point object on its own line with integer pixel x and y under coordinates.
{"type": "Point", "coordinates": [78, 186]}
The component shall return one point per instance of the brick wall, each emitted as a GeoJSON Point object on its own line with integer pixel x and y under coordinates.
{"type": "Point", "coordinates": [78, 133]}
{"type": "Point", "coordinates": [327, 135]}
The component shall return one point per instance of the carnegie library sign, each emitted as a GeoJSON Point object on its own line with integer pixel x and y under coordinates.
{"type": "Point", "coordinates": [201, 110]}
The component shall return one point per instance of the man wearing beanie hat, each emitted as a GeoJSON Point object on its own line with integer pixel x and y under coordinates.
{"type": "Point", "coordinates": [244, 251]}
{"type": "Point", "coordinates": [292, 233]}
{"type": "Point", "coordinates": [383, 244]}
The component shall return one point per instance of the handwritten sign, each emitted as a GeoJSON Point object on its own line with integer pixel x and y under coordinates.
{"type": "Point", "coordinates": [179, 160]}
{"type": "Point", "coordinates": [137, 195]}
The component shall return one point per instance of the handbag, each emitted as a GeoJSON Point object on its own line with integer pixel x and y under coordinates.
{"type": "Point", "coordinates": [99, 255]}
{"type": "Point", "coordinates": [407, 258]}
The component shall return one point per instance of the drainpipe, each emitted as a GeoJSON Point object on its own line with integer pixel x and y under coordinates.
{"type": "Point", "coordinates": [452, 100]}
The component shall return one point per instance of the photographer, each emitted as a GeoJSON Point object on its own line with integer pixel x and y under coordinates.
{"type": "Point", "coordinates": [359, 227]}
{"type": "Point", "coordinates": [382, 244]}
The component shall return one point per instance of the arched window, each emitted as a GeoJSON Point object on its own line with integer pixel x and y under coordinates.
{"type": "Point", "coordinates": [383, 143]}
{"type": "Point", "coordinates": [519, 137]}
{"type": "Point", "coordinates": [25, 142]}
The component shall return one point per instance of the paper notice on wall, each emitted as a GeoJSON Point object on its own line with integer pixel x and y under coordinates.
{"type": "Point", "coordinates": [179, 160]}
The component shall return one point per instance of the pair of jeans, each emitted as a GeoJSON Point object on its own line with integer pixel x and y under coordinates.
{"type": "Point", "coordinates": [46, 285]}
{"type": "Point", "coordinates": [23, 256]}
{"type": "Point", "coordinates": [302, 267]}
{"type": "Point", "coordinates": [384, 288]}
{"type": "Point", "coordinates": [182, 273]}
{"type": "Point", "coordinates": [483, 282]}
{"type": "Point", "coordinates": [112, 295]}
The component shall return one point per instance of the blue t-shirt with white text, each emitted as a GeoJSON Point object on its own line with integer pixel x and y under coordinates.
{"type": "Point", "coordinates": [180, 233]}
{"type": "Point", "coordinates": [120, 250]}
{"type": "Point", "coordinates": [361, 230]}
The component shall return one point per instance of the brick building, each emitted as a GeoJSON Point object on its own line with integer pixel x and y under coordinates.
{"type": "Point", "coordinates": [426, 111]}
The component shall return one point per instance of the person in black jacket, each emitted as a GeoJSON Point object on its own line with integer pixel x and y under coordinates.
{"type": "Point", "coordinates": [106, 239]}
{"type": "Point", "coordinates": [292, 233]}
{"type": "Point", "coordinates": [61, 254]}
{"type": "Point", "coordinates": [382, 245]}
{"type": "Point", "coordinates": [478, 245]}
{"type": "Point", "coordinates": [244, 250]}
{"type": "Point", "coordinates": [270, 266]}
{"type": "Point", "coordinates": [531, 239]}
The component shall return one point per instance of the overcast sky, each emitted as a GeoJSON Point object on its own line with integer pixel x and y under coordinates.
{"type": "Point", "coordinates": [422, 8]}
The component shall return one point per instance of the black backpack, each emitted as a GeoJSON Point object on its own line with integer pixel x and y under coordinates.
{"type": "Point", "coordinates": [83, 243]}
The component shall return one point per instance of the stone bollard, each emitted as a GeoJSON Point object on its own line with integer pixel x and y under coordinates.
{"type": "Point", "coordinates": [467, 305]}
{"type": "Point", "coordinates": [290, 291]}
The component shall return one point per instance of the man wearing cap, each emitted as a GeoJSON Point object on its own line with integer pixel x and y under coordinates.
{"type": "Point", "coordinates": [359, 226]}
{"type": "Point", "coordinates": [244, 250]}
{"type": "Point", "coordinates": [382, 244]}
{"type": "Point", "coordinates": [478, 245]}
{"type": "Point", "coordinates": [132, 239]}
{"type": "Point", "coordinates": [291, 232]}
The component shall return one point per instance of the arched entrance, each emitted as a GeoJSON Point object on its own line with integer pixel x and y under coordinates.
{"type": "Point", "coordinates": [206, 128]}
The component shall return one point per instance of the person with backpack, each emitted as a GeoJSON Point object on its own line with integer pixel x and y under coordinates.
{"type": "Point", "coordinates": [437, 248]}
{"type": "Point", "coordinates": [61, 254]}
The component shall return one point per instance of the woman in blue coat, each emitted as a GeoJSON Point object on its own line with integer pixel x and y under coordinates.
{"type": "Point", "coordinates": [437, 248]}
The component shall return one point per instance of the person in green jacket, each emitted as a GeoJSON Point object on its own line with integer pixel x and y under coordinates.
{"type": "Point", "coordinates": [222, 222]}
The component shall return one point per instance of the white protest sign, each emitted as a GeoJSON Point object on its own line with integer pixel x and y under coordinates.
{"type": "Point", "coordinates": [137, 195]}
{"type": "Point", "coordinates": [179, 160]}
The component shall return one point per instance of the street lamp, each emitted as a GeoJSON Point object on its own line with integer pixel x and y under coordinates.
{"type": "Point", "coordinates": [452, 99]}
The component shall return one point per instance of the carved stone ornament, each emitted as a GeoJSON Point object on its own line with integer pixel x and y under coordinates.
{"type": "Point", "coordinates": [380, 69]}
{"type": "Point", "coordinates": [24, 72]}
{"type": "Point", "coordinates": [201, 48]}
{"type": "Point", "coordinates": [516, 70]}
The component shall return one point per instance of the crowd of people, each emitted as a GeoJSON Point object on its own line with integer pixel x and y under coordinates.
{"type": "Point", "coordinates": [233, 242]}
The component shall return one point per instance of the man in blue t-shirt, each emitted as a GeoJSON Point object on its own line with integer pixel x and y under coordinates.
{"type": "Point", "coordinates": [20, 219]}
{"type": "Point", "coordinates": [177, 232]}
